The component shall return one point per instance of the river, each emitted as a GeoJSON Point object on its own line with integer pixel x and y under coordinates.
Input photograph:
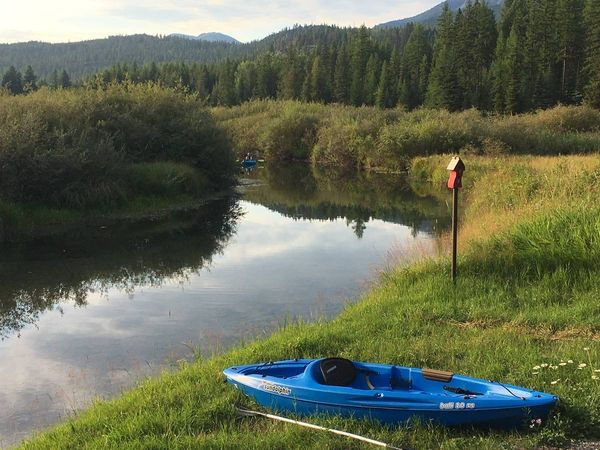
{"type": "Point", "coordinates": [87, 315]}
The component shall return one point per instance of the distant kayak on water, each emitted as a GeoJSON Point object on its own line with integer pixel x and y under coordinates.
{"type": "Point", "coordinates": [249, 162]}
{"type": "Point", "coordinates": [392, 395]}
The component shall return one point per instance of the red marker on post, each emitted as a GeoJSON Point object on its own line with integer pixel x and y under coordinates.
{"type": "Point", "coordinates": [457, 169]}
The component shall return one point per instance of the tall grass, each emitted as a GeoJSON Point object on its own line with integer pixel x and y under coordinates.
{"type": "Point", "coordinates": [374, 138]}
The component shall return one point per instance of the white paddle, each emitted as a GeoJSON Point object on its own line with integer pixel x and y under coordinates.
{"type": "Point", "coordinates": [246, 412]}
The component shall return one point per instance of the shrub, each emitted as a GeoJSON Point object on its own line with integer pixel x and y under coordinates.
{"type": "Point", "coordinates": [165, 178]}
{"type": "Point", "coordinates": [72, 147]}
{"type": "Point", "coordinates": [388, 139]}
{"type": "Point", "coordinates": [291, 137]}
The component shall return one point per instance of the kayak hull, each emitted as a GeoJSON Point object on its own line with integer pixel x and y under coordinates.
{"type": "Point", "coordinates": [414, 400]}
{"type": "Point", "coordinates": [249, 163]}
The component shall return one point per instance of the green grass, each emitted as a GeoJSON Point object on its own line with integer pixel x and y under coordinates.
{"type": "Point", "coordinates": [526, 297]}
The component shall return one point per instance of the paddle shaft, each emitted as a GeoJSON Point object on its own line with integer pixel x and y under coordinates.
{"type": "Point", "coordinates": [316, 427]}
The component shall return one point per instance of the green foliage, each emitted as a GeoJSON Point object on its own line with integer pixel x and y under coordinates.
{"type": "Point", "coordinates": [443, 84]}
{"type": "Point", "coordinates": [592, 61]}
{"type": "Point", "coordinates": [12, 81]}
{"type": "Point", "coordinates": [541, 53]}
{"type": "Point", "coordinates": [165, 179]}
{"type": "Point", "coordinates": [291, 136]}
{"type": "Point", "coordinates": [72, 148]}
{"type": "Point", "coordinates": [389, 139]}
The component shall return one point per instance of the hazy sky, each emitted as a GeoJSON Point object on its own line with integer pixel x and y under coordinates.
{"type": "Point", "coordinates": [73, 20]}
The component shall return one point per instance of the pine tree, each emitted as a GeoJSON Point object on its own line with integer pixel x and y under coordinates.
{"type": "Point", "coordinates": [267, 77]}
{"type": "Point", "coordinates": [318, 90]}
{"type": "Point", "coordinates": [443, 83]}
{"type": "Point", "coordinates": [360, 50]}
{"type": "Point", "coordinates": [224, 90]}
{"type": "Point", "coordinates": [592, 61]}
{"type": "Point", "coordinates": [508, 70]}
{"type": "Point", "coordinates": [443, 91]}
{"type": "Point", "coordinates": [385, 93]}
{"type": "Point", "coordinates": [371, 80]}
{"type": "Point", "coordinates": [341, 83]}
{"type": "Point", "coordinates": [64, 81]}
{"type": "Point", "coordinates": [571, 38]}
{"type": "Point", "coordinates": [394, 73]}
{"type": "Point", "coordinates": [245, 81]}
{"type": "Point", "coordinates": [321, 76]}
{"type": "Point", "coordinates": [514, 74]}
{"type": "Point", "coordinates": [292, 77]}
{"type": "Point", "coordinates": [540, 47]}
{"type": "Point", "coordinates": [414, 72]}
{"type": "Point", "coordinates": [476, 39]}
{"type": "Point", "coordinates": [29, 80]}
{"type": "Point", "coordinates": [13, 81]}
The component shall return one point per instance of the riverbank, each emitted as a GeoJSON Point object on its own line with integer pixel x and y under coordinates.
{"type": "Point", "coordinates": [524, 311]}
{"type": "Point", "coordinates": [367, 137]}
{"type": "Point", "coordinates": [30, 222]}
{"type": "Point", "coordinates": [77, 153]}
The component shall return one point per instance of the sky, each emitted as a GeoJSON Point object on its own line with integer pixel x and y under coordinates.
{"type": "Point", "coordinates": [246, 20]}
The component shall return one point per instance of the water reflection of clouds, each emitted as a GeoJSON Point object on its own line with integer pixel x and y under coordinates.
{"type": "Point", "coordinates": [274, 267]}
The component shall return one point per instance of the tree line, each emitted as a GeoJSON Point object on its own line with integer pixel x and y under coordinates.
{"type": "Point", "coordinates": [17, 83]}
{"type": "Point", "coordinates": [540, 53]}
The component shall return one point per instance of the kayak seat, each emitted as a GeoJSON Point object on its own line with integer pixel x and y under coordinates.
{"type": "Point", "coordinates": [337, 371]}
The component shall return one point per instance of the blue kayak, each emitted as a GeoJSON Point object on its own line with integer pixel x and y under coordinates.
{"type": "Point", "coordinates": [249, 162]}
{"type": "Point", "coordinates": [389, 394]}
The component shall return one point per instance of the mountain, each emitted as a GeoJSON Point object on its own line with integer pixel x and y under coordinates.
{"type": "Point", "coordinates": [209, 37]}
{"type": "Point", "coordinates": [431, 16]}
{"type": "Point", "coordinates": [84, 58]}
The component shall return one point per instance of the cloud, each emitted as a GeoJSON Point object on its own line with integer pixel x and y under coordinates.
{"type": "Point", "coordinates": [71, 20]}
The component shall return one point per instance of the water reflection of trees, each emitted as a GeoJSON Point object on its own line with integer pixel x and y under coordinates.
{"type": "Point", "coordinates": [39, 276]}
{"type": "Point", "coordinates": [303, 192]}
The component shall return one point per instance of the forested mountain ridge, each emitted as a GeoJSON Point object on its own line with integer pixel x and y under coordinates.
{"type": "Point", "coordinates": [80, 59]}
{"type": "Point", "coordinates": [430, 17]}
{"type": "Point", "coordinates": [84, 58]}
{"type": "Point", "coordinates": [209, 37]}
{"type": "Point", "coordinates": [540, 53]}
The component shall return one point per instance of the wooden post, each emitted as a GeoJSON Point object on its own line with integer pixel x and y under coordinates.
{"type": "Point", "coordinates": [454, 231]}
{"type": "Point", "coordinates": [456, 168]}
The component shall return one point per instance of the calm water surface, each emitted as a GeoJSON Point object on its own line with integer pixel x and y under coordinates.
{"type": "Point", "coordinates": [88, 315]}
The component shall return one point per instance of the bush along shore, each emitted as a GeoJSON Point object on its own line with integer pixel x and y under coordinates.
{"type": "Point", "coordinates": [368, 137]}
{"type": "Point", "coordinates": [129, 149]}
{"type": "Point", "coordinates": [524, 310]}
